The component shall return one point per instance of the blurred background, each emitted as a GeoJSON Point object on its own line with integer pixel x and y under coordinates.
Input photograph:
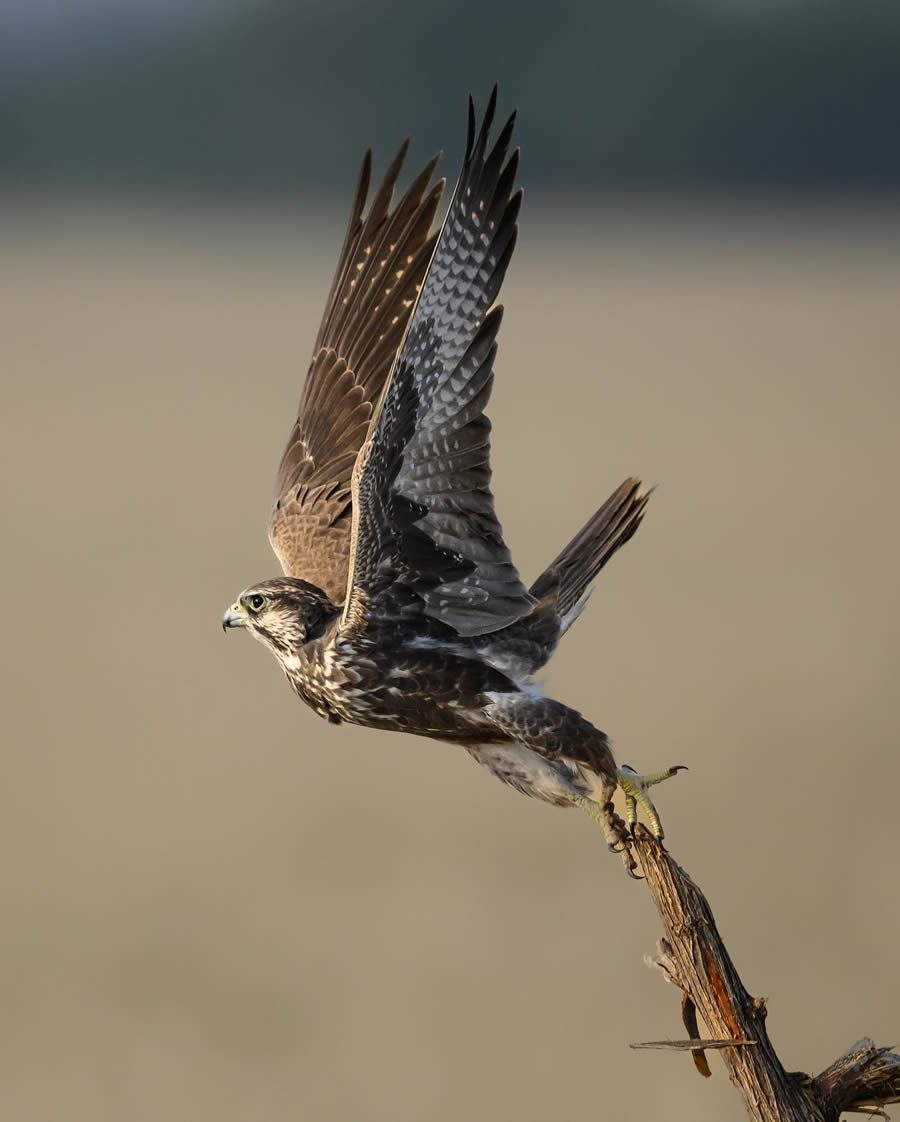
{"type": "Point", "coordinates": [215, 905]}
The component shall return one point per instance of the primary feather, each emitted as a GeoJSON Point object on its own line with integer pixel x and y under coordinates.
{"type": "Point", "coordinates": [378, 277]}
{"type": "Point", "coordinates": [426, 530]}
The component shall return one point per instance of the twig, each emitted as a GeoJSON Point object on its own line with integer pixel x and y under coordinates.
{"type": "Point", "coordinates": [693, 957]}
{"type": "Point", "coordinates": [695, 1044]}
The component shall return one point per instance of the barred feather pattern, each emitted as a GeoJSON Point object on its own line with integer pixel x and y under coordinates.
{"type": "Point", "coordinates": [378, 278]}
{"type": "Point", "coordinates": [444, 542]}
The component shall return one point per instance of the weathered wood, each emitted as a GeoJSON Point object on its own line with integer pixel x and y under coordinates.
{"type": "Point", "coordinates": [693, 957]}
{"type": "Point", "coordinates": [695, 1044]}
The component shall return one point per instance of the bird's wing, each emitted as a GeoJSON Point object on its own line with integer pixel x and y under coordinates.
{"type": "Point", "coordinates": [380, 271]}
{"type": "Point", "coordinates": [426, 540]}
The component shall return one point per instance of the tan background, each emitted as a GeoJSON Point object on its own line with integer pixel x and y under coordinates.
{"type": "Point", "coordinates": [215, 905]}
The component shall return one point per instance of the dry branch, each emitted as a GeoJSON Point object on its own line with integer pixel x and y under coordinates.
{"type": "Point", "coordinates": [693, 957]}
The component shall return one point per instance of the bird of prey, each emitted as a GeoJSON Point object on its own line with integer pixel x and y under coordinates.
{"type": "Point", "coordinates": [400, 606]}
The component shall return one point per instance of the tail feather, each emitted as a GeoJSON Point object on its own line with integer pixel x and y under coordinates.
{"type": "Point", "coordinates": [586, 554]}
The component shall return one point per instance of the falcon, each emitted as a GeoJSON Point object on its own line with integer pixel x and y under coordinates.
{"type": "Point", "coordinates": [400, 607]}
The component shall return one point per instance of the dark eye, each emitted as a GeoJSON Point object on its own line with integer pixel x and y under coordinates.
{"type": "Point", "coordinates": [256, 602]}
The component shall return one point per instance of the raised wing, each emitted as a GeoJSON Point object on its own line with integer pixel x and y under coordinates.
{"type": "Point", "coordinates": [426, 538]}
{"type": "Point", "coordinates": [379, 274]}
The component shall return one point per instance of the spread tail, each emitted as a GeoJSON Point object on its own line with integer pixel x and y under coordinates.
{"type": "Point", "coordinates": [590, 549]}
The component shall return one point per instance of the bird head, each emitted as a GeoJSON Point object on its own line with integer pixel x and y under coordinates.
{"type": "Point", "coordinates": [283, 613]}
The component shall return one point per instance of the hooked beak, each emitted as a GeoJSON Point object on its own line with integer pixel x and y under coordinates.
{"type": "Point", "coordinates": [234, 617]}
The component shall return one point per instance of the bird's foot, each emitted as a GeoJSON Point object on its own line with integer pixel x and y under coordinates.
{"type": "Point", "coordinates": [618, 838]}
{"type": "Point", "coordinates": [635, 788]}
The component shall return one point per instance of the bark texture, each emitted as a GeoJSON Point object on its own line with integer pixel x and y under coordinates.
{"type": "Point", "coordinates": [693, 957]}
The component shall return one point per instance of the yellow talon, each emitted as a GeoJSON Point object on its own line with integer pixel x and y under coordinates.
{"type": "Point", "coordinates": [635, 789]}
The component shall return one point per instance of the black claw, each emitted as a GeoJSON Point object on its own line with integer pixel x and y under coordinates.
{"type": "Point", "coordinates": [633, 874]}
{"type": "Point", "coordinates": [613, 847]}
